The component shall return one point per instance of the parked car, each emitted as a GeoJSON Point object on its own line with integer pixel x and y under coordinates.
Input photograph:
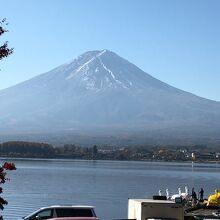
{"type": "Point", "coordinates": [63, 213]}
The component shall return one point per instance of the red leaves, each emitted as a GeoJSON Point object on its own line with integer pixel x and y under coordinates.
{"type": "Point", "coordinates": [6, 166]}
{"type": "Point", "coordinates": [3, 168]}
{"type": "Point", "coordinates": [9, 166]}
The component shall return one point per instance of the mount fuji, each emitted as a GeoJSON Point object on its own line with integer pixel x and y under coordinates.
{"type": "Point", "coordinates": [99, 90]}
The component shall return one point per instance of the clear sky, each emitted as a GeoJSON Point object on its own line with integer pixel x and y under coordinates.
{"type": "Point", "coordinates": [176, 41]}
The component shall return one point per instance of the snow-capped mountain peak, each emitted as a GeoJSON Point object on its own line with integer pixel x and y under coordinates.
{"type": "Point", "coordinates": [87, 63]}
{"type": "Point", "coordinates": [100, 88]}
{"type": "Point", "coordinates": [95, 71]}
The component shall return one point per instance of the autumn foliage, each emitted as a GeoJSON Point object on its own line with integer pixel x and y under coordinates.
{"type": "Point", "coordinates": [3, 179]}
{"type": "Point", "coordinates": [4, 52]}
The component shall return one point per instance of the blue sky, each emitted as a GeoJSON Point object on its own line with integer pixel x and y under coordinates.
{"type": "Point", "coordinates": [175, 41]}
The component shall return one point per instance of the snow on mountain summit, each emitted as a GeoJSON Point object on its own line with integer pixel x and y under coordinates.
{"type": "Point", "coordinates": [93, 69]}
{"type": "Point", "coordinates": [96, 71]}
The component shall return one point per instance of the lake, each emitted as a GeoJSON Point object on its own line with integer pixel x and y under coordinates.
{"type": "Point", "coordinates": [107, 185]}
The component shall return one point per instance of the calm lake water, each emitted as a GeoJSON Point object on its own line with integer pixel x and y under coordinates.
{"type": "Point", "coordinates": [107, 185]}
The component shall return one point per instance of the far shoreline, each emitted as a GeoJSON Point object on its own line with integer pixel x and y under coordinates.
{"type": "Point", "coordinates": [4, 158]}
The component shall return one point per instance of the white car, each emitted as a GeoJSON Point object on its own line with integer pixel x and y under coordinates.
{"type": "Point", "coordinates": [63, 212]}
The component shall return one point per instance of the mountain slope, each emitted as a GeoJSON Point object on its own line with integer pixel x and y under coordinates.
{"type": "Point", "coordinates": [99, 89]}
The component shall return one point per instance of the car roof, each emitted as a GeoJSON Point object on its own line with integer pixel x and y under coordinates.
{"type": "Point", "coordinates": [68, 206]}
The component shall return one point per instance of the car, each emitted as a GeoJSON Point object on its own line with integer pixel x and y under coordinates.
{"type": "Point", "coordinates": [63, 213]}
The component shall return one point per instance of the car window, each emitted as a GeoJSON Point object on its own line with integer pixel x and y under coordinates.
{"type": "Point", "coordinates": [45, 214]}
{"type": "Point", "coordinates": [67, 212]}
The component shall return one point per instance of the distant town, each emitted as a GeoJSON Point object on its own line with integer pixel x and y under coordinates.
{"type": "Point", "coordinates": [197, 153]}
